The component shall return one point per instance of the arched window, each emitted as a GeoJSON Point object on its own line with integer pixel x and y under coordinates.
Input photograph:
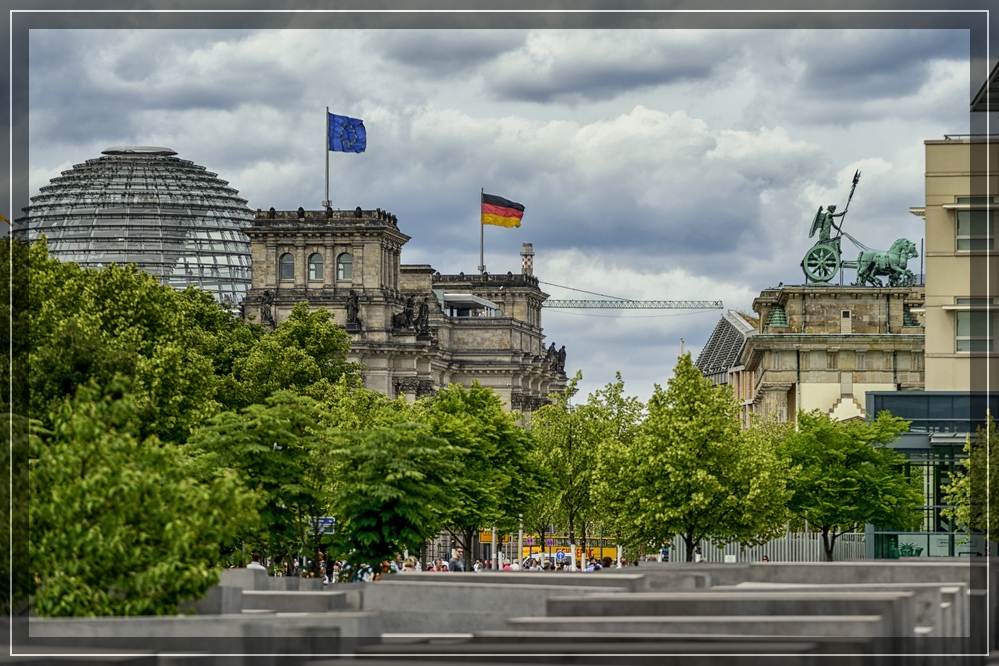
{"type": "Point", "coordinates": [286, 266]}
{"type": "Point", "coordinates": [316, 266]}
{"type": "Point", "coordinates": [344, 267]}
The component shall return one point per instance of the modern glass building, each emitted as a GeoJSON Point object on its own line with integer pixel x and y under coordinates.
{"type": "Point", "coordinates": [143, 205]}
{"type": "Point", "coordinates": [940, 424]}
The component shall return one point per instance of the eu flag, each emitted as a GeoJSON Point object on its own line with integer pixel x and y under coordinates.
{"type": "Point", "coordinates": [347, 135]}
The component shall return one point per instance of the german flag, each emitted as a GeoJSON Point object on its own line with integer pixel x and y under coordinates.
{"type": "Point", "coordinates": [501, 212]}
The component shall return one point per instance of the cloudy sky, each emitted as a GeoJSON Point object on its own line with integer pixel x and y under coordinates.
{"type": "Point", "coordinates": [653, 164]}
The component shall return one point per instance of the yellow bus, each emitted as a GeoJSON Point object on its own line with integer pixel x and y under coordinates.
{"type": "Point", "coordinates": [546, 549]}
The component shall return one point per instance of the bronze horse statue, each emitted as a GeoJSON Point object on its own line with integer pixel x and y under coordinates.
{"type": "Point", "coordinates": [890, 264]}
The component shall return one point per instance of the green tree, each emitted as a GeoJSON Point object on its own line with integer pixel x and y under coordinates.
{"type": "Point", "coordinates": [567, 437]}
{"type": "Point", "coordinates": [974, 492]}
{"type": "Point", "coordinates": [95, 325]}
{"type": "Point", "coordinates": [691, 472]}
{"type": "Point", "coordinates": [279, 450]}
{"type": "Point", "coordinates": [624, 416]}
{"type": "Point", "coordinates": [306, 354]}
{"type": "Point", "coordinates": [394, 487]}
{"type": "Point", "coordinates": [848, 477]}
{"type": "Point", "coordinates": [121, 525]}
{"type": "Point", "coordinates": [499, 474]}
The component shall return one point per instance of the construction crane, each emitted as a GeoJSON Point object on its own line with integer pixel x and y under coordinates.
{"type": "Point", "coordinates": [615, 303]}
{"type": "Point", "coordinates": [621, 304]}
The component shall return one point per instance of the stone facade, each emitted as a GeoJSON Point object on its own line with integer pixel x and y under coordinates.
{"type": "Point", "coordinates": [824, 347]}
{"type": "Point", "coordinates": [348, 262]}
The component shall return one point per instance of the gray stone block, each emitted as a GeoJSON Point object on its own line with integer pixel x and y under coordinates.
{"type": "Point", "coordinates": [219, 600]}
{"type": "Point", "coordinates": [253, 634]}
{"type": "Point", "coordinates": [294, 602]}
{"type": "Point", "coordinates": [632, 582]}
{"type": "Point", "coordinates": [866, 626]}
{"type": "Point", "coordinates": [247, 579]}
{"type": "Point", "coordinates": [927, 599]}
{"type": "Point", "coordinates": [419, 607]}
{"type": "Point", "coordinates": [895, 607]}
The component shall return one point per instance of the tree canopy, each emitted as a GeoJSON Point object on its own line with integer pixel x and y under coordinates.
{"type": "Point", "coordinates": [393, 489]}
{"type": "Point", "coordinates": [691, 472]}
{"type": "Point", "coordinates": [121, 525]}
{"type": "Point", "coordinates": [974, 492]}
{"type": "Point", "coordinates": [499, 474]}
{"type": "Point", "coordinates": [847, 477]}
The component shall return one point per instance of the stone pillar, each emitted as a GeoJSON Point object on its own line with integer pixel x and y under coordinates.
{"type": "Point", "coordinates": [269, 272]}
{"type": "Point", "coordinates": [301, 267]}
{"type": "Point", "coordinates": [775, 402]}
{"type": "Point", "coordinates": [329, 265]}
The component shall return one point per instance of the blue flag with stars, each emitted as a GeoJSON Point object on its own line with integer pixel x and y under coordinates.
{"type": "Point", "coordinates": [347, 135]}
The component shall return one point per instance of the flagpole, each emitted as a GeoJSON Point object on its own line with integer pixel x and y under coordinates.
{"type": "Point", "coordinates": [326, 142]}
{"type": "Point", "coordinates": [482, 260]}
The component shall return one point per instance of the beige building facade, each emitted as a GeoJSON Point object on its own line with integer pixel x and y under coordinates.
{"type": "Point", "coordinates": [413, 329]}
{"type": "Point", "coordinates": [962, 273]}
{"type": "Point", "coordinates": [825, 347]}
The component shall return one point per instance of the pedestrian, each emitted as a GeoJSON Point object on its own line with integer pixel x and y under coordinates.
{"type": "Point", "coordinates": [766, 558]}
{"type": "Point", "coordinates": [477, 565]}
{"type": "Point", "coordinates": [255, 564]}
{"type": "Point", "coordinates": [457, 563]}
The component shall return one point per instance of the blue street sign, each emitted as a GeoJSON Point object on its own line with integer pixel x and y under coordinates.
{"type": "Point", "coordinates": [559, 556]}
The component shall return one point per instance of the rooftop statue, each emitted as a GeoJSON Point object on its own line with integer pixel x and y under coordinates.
{"type": "Point", "coordinates": [824, 259]}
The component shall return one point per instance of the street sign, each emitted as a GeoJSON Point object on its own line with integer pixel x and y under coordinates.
{"type": "Point", "coordinates": [326, 525]}
{"type": "Point", "coordinates": [549, 542]}
{"type": "Point", "coordinates": [559, 556]}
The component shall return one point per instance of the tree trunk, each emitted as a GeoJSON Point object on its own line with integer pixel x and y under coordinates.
{"type": "Point", "coordinates": [572, 539]}
{"type": "Point", "coordinates": [828, 543]}
{"type": "Point", "coordinates": [467, 547]}
{"type": "Point", "coordinates": [688, 539]}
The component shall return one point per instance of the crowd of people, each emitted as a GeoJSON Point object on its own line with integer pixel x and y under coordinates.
{"type": "Point", "coordinates": [339, 571]}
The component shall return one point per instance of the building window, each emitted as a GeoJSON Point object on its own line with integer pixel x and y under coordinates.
{"type": "Point", "coordinates": [974, 331]}
{"type": "Point", "coordinates": [316, 266]}
{"type": "Point", "coordinates": [975, 230]}
{"type": "Point", "coordinates": [286, 265]}
{"type": "Point", "coordinates": [344, 267]}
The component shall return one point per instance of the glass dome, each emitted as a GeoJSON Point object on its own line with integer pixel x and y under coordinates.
{"type": "Point", "coordinates": [143, 205]}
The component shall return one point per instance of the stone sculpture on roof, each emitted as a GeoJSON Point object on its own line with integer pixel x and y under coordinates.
{"type": "Point", "coordinates": [824, 259]}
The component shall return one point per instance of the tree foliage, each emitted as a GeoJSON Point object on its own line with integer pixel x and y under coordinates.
{"type": "Point", "coordinates": [121, 525]}
{"type": "Point", "coordinates": [499, 473]}
{"type": "Point", "coordinates": [393, 489]}
{"type": "Point", "coordinates": [567, 437]}
{"type": "Point", "coordinates": [691, 472]}
{"type": "Point", "coordinates": [95, 325]}
{"type": "Point", "coordinates": [974, 492]}
{"type": "Point", "coordinates": [307, 354]}
{"type": "Point", "coordinates": [623, 416]}
{"type": "Point", "coordinates": [279, 450]}
{"type": "Point", "coordinates": [847, 477]}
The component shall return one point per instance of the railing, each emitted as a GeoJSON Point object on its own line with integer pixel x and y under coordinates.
{"type": "Point", "coordinates": [792, 547]}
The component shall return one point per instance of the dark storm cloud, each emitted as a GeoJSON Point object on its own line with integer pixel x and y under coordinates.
{"type": "Point", "coordinates": [895, 64]}
{"type": "Point", "coordinates": [142, 74]}
{"type": "Point", "coordinates": [443, 53]}
{"type": "Point", "coordinates": [573, 74]}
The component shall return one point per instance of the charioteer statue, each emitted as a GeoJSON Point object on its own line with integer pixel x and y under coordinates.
{"type": "Point", "coordinates": [824, 259]}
